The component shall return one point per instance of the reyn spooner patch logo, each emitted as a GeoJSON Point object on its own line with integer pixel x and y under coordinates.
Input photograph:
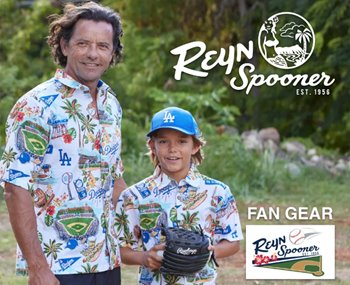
{"type": "Point", "coordinates": [290, 252]}
{"type": "Point", "coordinates": [286, 40]}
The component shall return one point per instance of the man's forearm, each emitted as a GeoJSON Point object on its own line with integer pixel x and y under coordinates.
{"type": "Point", "coordinates": [23, 222]}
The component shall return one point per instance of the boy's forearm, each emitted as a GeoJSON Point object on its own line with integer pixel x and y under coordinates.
{"type": "Point", "coordinates": [23, 222]}
{"type": "Point", "coordinates": [226, 248]}
{"type": "Point", "coordinates": [131, 257]}
{"type": "Point", "coordinates": [150, 258]}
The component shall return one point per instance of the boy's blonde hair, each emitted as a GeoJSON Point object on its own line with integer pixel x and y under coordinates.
{"type": "Point", "coordinates": [196, 158]}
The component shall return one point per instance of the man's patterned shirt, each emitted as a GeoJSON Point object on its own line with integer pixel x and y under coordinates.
{"type": "Point", "coordinates": [67, 155]}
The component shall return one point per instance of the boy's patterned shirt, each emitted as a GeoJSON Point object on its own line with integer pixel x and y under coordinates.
{"type": "Point", "coordinates": [196, 200]}
{"type": "Point", "coordinates": [68, 156]}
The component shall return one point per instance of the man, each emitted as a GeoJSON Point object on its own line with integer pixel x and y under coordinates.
{"type": "Point", "coordinates": [61, 168]}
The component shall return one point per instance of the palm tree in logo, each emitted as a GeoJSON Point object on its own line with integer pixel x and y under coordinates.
{"type": "Point", "coordinates": [120, 220]}
{"type": "Point", "coordinates": [87, 125]}
{"type": "Point", "coordinates": [189, 220]}
{"type": "Point", "coordinates": [88, 268]}
{"type": "Point", "coordinates": [73, 111]}
{"type": "Point", "coordinates": [9, 156]}
{"type": "Point", "coordinates": [127, 237]}
{"type": "Point", "coordinates": [172, 280]}
{"type": "Point", "coordinates": [52, 248]}
{"type": "Point", "coordinates": [158, 276]}
{"type": "Point", "coordinates": [303, 37]}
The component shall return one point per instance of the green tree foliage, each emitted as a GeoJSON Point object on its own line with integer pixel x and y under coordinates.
{"type": "Point", "coordinates": [322, 118]}
{"type": "Point", "coordinates": [152, 31]}
{"type": "Point", "coordinates": [24, 55]}
{"type": "Point", "coordinates": [333, 57]}
{"type": "Point", "coordinates": [144, 81]}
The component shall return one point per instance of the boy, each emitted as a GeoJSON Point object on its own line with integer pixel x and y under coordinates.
{"type": "Point", "coordinates": [176, 195]}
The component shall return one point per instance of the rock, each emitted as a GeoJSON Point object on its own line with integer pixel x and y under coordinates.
{"type": "Point", "coordinates": [341, 165]}
{"type": "Point", "coordinates": [271, 146]}
{"type": "Point", "coordinates": [294, 147]}
{"type": "Point", "coordinates": [269, 139]}
{"type": "Point", "coordinates": [252, 140]}
{"type": "Point", "coordinates": [315, 159]}
{"type": "Point", "coordinates": [311, 152]}
{"type": "Point", "coordinates": [293, 169]}
{"type": "Point", "coordinates": [327, 163]}
{"type": "Point", "coordinates": [270, 134]}
{"type": "Point", "coordinates": [307, 162]}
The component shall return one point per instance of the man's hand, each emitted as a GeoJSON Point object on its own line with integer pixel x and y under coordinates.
{"type": "Point", "coordinates": [23, 222]}
{"type": "Point", "coordinates": [41, 276]}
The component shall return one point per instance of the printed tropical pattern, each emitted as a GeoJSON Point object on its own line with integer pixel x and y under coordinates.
{"type": "Point", "coordinates": [65, 150]}
{"type": "Point", "coordinates": [196, 202]}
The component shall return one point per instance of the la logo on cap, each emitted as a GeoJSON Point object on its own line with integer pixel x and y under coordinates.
{"type": "Point", "coordinates": [168, 118]}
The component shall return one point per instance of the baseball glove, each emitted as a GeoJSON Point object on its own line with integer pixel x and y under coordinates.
{"type": "Point", "coordinates": [186, 252]}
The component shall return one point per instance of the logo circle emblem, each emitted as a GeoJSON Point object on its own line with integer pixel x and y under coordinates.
{"type": "Point", "coordinates": [286, 40]}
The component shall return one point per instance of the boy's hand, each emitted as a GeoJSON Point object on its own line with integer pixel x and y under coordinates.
{"type": "Point", "coordinates": [186, 252]}
{"type": "Point", "coordinates": [152, 258]}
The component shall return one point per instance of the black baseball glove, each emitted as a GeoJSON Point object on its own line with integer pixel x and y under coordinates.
{"type": "Point", "coordinates": [186, 252]}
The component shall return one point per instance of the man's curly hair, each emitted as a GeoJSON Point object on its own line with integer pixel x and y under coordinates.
{"type": "Point", "coordinates": [62, 26]}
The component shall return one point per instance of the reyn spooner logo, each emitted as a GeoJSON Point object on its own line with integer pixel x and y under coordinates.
{"type": "Point", "coordinates": [286, 41]}
{"type": "Point", "coordinates": [290, 252]}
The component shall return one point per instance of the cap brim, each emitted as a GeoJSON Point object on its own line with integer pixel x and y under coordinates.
{"type": "Point", "coordinates": [173, 128]}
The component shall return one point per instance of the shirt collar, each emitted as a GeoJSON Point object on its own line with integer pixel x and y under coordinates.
{"type": "Point", "coordinates": [162, 180]}
{"type": "Point", "coordinates": [67, 80]}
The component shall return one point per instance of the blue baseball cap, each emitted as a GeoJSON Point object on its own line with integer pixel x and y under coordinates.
{"type": "Point", "coordinates": [177, 119]}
